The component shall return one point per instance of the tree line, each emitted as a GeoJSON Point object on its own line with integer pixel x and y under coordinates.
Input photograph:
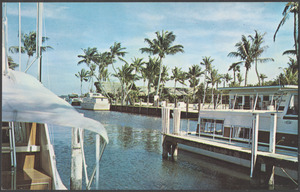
{"type": "Point", "coordinates": [248, 51]}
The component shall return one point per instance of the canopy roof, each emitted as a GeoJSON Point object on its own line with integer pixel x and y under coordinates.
{"type": "Point", "coordinates": [25, 99]}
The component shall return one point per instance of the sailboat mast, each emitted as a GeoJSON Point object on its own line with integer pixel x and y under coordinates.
{"type": "Point", "coordinates": [4, 40]}
{"type": "Point", "coordinates": [20, 66]}
{"type": "Point", "coordinates": [39, 38]}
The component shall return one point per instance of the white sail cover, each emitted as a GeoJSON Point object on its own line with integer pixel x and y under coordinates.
{"type": "Point", "coordinates": [25, 99]}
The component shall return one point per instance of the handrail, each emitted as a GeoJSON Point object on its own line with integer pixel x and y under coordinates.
{"type": "Point", "coordinates": [95, 168]}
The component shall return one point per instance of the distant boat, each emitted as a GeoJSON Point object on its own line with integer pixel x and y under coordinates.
{"type": "Point", "coordinates": [95, 101]}
{"type": "Point", "coordinates": [73, 99]}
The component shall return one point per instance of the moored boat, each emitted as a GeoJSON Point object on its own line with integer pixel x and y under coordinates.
{"type": "Point", "coordinates": [95, 101]}
{"type": "Point", "coordinates": [273, 110]}
{"type": "Point", "coordinates": [235, 120]}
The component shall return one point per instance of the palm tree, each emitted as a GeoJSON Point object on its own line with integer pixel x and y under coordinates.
{"type": "Point", "coordinates": [11, 64]}
{"type": "Point", "coordinates": [194, 73]}
{"type": "Point", "coordinates": [227, 78]}
{"type": "Point", "coordinates": [150, 71]}
{"type": "Point", "coordinates": [29, 45]}
{"type": "Point", "coordinates": [289, 78]}
{"type": "Point", "coordinates": [177, 74]}
{"type": "Point", "coordinates": [293, 64]}
{"type": "Point", "coordinates": [290, 7]}
{"type": "Point", "coordinates": [207, 62]}
{"type": "Point", "coordinates": [263, 77]}
{"type": "Point", "coordinates": [126, 77]}
{"type": "Point", "coordinates": [164, 78]}
{"type": "Point", "coordinates": [183, 76]}
{"type": "Point", "coordinates": [102, 60]}
{"type": "Point", "coordinates": [235, 67]}
{"type": "Point", "coordinates": [213, 79]}
{"type": "Point", "coordinates": [92, 74]}
{"type": "Point", "coordinates": [162, 46]}
{"type": "Point", "coordinates": [245, 54]}
{"type": "Point", "coordinates": [90, 56]}
{"type": "Point", "coordinates": [240, 78]}
{"type": "Point", "coordinates": [83, 76]}
{"type": "Point", "coordinates": [137, 64]}
{"type": "Point", "coordinates": [257, 50]}
{"type": "Point", "coordinates": [116, 51]}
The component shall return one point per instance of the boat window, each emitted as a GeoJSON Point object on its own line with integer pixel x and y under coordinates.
{"type": "Point", "coordinates": [293, 105]}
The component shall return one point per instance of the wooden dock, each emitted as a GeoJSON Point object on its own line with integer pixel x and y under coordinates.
{"type": "Point", "coordinates": [269, 160]}
{"type": "Point", "coordinates": [261, 160]}
{"type": "Point", "coordinates": [279, 160]}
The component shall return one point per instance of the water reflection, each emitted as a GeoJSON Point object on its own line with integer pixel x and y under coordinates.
{"type": "Point", "coordinates": [132, 160]}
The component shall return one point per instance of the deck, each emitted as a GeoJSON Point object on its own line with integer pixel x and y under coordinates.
{"type": "Point", "coordinates": [234, 149]}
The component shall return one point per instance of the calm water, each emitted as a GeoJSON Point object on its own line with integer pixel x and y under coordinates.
{"type": "Point", "coordinates": [132, 160]}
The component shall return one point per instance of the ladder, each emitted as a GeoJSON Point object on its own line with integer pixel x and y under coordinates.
{"type": "Point", "coordinates": [12, 149]}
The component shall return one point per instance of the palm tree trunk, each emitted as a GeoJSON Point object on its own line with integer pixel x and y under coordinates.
{"type": "Point", "coordinates": [234, 76]}
{"type": "Point", "coordinates": [203, 102]}
{"type": "Point", "coordinates": [256, 70]}
{"type": "Point", "coordinates": [28, 61]}
{"type": "Point", "coordinates": [149, 90]}
{"type": "Point", "coordinates": [246, 76]}
{"type": "Point", "coordinates": [212, 93]}
{"type": "Point", "coordinates": [174, 87]}
{"type": "Point", "coordinates": [159, 77]}
{"type": "Point", "coordinates": [81, 87]}
{"type": "Point", "coordinates": [295, 36]}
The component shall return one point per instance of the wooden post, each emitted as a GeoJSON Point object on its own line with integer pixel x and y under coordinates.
{"type": "Point", "coordinates": [165, 120]}
{"type": "Point", "coordinates": [97, 160]}
{"type": "Point", "coordinates": [254, 143]}
{"type": "Point", "coordinates": [187, 107]}
{"type": "Point", "coordinates": [174, 150]}
{"type": "Point", "coordinates": [272, 145]}
{"type": "Point", "coordinates": [76, 161]}
{"type": "Point", "coordinates": [273, 128]}
{"type": "Point", "coordinates": [176, 121]}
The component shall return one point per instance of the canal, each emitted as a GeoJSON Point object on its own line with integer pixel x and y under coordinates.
{"type": "Point", "coordinates": [133, 159]}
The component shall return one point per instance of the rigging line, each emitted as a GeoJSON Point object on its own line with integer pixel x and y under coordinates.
{"type": "Point", "coordinates": [289, 176]}
{"type": "Point", "coordinates": [46, 55]}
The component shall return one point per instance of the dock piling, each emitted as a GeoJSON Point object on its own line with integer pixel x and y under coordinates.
{"type": "Point", "coordinates": [176, 121]}
{"type": "Point", "coordinates": [254, 143]}
{"type": "Point", "coordinates": [76, 161]}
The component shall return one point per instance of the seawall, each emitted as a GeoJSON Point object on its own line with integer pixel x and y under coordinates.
{"type": "Point", "coordinates": [150, 111]}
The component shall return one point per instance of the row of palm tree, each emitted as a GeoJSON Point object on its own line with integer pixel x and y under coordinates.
{"type": "Point", "coordinates": [249, 51]}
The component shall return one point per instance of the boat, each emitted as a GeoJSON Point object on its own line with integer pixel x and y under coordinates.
{"type": "Point", "coordinates": [95, 101]}
{"type": "Point", "coordinates": [27, 155]}
{"type": "Point", "coordinates": [232, 118]}
{"type": "Point", "coordinates": [74, 100]}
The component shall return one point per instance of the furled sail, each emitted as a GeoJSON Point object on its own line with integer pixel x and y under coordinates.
{"type": "Point", "coordinates": [24, 99]}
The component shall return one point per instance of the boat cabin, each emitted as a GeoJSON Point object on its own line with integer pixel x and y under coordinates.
{"type": "Point", "coordinates": [232, 116]}
{"type": "Point", "coordinates": [261, 98]}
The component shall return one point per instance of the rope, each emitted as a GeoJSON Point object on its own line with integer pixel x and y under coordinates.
{"type": "Point", "coordinates": [289, 176]}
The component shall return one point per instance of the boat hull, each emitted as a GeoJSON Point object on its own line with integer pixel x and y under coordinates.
{"type": "Point", "coordinates": [95, 106]}
{"type": "Point", "coordinates": [234, 160]}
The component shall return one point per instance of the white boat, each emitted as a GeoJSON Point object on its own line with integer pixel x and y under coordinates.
{"type": "Point", "coordinates": [232, 119]}
{"type": "Point", "coordinates": [27, 154]}
{"type": "Point", "coordinates": [95, 101]}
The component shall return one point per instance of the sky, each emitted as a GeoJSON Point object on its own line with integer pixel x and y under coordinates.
{"type": "Point", "coordinates": [203, 28]}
